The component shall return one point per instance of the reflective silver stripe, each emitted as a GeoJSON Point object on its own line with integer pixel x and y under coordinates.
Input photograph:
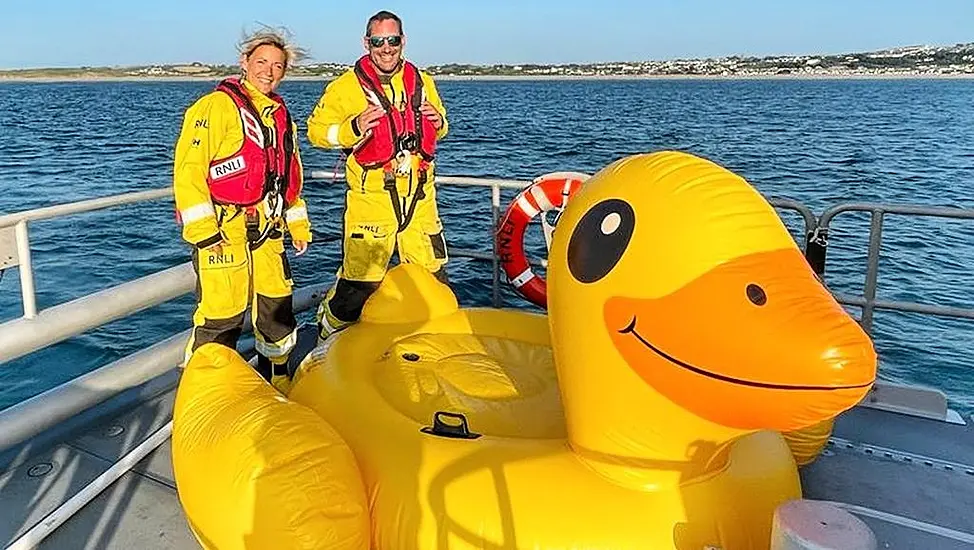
{"type": "Point", "coordinates": [332, 135]}
{"type": "Point", "coordinates": [531, 211]}
{"type": "Point", "coordinates": [198, 212]}
{"type": "Point", "coordinates": [276, 349]}
{"type": "Point", "coordinates": [523, 278]}
{"type": "Point", "coordinates": [294, 214]}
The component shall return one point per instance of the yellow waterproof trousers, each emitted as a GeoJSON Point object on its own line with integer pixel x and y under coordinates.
{"type": "Point", "coordinates": [233, 278]}
{"type": "Point", "coordinates": [373, 230]}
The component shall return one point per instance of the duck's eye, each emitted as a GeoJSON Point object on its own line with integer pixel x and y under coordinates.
{"type": "Point", "coordinates": [600, 239]}
{"type": "Point", "coordinates": [756, 294]}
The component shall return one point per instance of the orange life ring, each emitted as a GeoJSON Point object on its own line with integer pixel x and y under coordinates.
{"type": "Point", "coordinates": [546, 193]}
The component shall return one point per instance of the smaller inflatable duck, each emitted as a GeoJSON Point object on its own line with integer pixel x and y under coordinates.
{"type": "Point", "coordinates": [684, 331]}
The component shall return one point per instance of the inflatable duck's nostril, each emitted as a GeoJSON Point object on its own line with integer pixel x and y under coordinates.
{"type": "Point", "coordinates": [756, 294]}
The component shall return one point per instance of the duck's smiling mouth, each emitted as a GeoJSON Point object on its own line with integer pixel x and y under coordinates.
{"type": "Point", "coordinates": [631, 329]}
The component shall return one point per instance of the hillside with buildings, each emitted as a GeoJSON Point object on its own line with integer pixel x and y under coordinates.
{"type": "Point", "coordinates": [904, 61]}
{"type": "Point", "coordinates": [914, 60]}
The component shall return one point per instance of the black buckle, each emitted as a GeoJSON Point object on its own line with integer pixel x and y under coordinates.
{"type": "Point", "coordinates": [408, 142]}
{"type": "Point", "coordinates": [388, 179]}
{"type": "Point", "coordinates": [252, 223]}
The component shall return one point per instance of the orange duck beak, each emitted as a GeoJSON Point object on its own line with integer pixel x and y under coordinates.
{"type": "Point", "coordinates": [755, 343]}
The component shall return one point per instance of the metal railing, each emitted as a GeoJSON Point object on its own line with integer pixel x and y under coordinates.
{"type": "Point", "coordinates": [817, 246]}
{"type": "Point", "coordinates": [39, 329]}
{"type": "Point", "coordinates": [495, 186]}
{"type": "Point", "coordinates": [36, 330]}
{"type": "Point", "coordinates": [20, 252]}
{"type": "Point", "coordinates": [180, 279]}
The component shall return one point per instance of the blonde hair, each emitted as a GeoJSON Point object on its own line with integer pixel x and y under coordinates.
{"type": "Point", "coordinates": [280, 38]}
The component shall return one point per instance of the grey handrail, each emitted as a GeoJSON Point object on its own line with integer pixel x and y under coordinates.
{"type": "Point", "coordinates": [25, 335]}
{"type": "Point", "coordinates": [111, 201]}
{"type": "Point", "coordinates": [877, 211]}
{"type": "Point", "coordinates": [59, 210]}
{"type": "Point", "coordinates": [806, 213]}
{"type": "Point", "coordinates": [907, 209]}
{"type": "Point", "coordinates": [52, 325]}
{"type": "Point", "coordinates": [17, 222]}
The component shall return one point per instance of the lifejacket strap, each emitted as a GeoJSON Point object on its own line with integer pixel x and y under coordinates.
{"type": "Point", "coordinates": [419, 195]}
{"type": "Point", "coordinates": [389, 183]}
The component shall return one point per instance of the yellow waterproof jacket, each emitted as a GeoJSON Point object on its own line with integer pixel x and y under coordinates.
{"type": "Point", "coordinates": [212, 129]}
{"type": "Point", "coordinates": [330, 124]}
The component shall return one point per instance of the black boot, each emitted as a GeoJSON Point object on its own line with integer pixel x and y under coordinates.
{"type": "Point", "coordinates": [264, 367]}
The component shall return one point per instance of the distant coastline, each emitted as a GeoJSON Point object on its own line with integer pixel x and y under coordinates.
{"type": "Point", "coordinates": [911, 62]}
{"type": "Point", "coordinates": [4, 78]}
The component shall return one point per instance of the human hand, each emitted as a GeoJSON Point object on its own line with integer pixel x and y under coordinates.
{"type": "Point", "coordinates": [432, 114]}
{"type": "Point", "coordinates": [215, 248]}
{"type": "Point", "coordinates": [300, 246]}
{"type": "Point", "coordinates": [369, 118]}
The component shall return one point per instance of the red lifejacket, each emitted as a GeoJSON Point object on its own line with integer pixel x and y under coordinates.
{"type": "Point", "coordinates": [265, 162]}
{"type": "Point", "coordinates": [405, 130]}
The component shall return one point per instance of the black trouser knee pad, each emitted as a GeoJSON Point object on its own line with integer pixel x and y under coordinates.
{"type": "Point", "coordinates": [275, 317]}
{"type": "Point", "coordinates": [222, 331]}
{"type": "Point", "coordinates": [349, 298]}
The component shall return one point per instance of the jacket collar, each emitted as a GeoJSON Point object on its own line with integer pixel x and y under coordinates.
{"type": "Point", "coordinates": [261, 101]}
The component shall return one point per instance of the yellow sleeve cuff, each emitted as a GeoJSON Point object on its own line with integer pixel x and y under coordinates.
{"type": "Point", "coordinates": [441, 133]}
{"type": "Point", "coordinates": [300, 231]}
{"type": "Point", "coordinates": [298, 224]}
{"type": "Point", "coordinates": [333, 136]}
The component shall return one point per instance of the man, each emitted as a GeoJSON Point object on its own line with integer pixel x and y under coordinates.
{"type": "Point", "coordinates": [237, 182]}
{"type": "Point", "coordinates": [386, 116]}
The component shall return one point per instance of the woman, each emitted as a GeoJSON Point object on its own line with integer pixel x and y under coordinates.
{"type": "Point", "coordinates": [237, 182]}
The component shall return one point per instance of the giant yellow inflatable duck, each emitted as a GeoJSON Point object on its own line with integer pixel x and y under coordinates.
{"type": "Point", "coordinates": [685, 330]}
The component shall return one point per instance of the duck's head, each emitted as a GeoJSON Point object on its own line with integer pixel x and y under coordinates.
{"type": "Point", "coordinates": [671, 276]}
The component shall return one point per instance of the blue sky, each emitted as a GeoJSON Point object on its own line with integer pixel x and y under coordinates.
{"type": "Point", "coordinates": [62, 33]}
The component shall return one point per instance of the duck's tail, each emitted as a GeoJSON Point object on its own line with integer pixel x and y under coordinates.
{"type": "Point", "coordinates": [255, 470]}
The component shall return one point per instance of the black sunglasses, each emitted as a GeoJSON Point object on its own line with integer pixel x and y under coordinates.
{"type": "Point", "coordinates": [394, 40]}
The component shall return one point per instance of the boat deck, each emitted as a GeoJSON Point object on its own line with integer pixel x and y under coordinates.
{"type": "Point", "coordinates": [912, 479]}
{"type": "Point", "coordinates": [140, 510]}
{"type": "Point", "coordinates": [918, 469]}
